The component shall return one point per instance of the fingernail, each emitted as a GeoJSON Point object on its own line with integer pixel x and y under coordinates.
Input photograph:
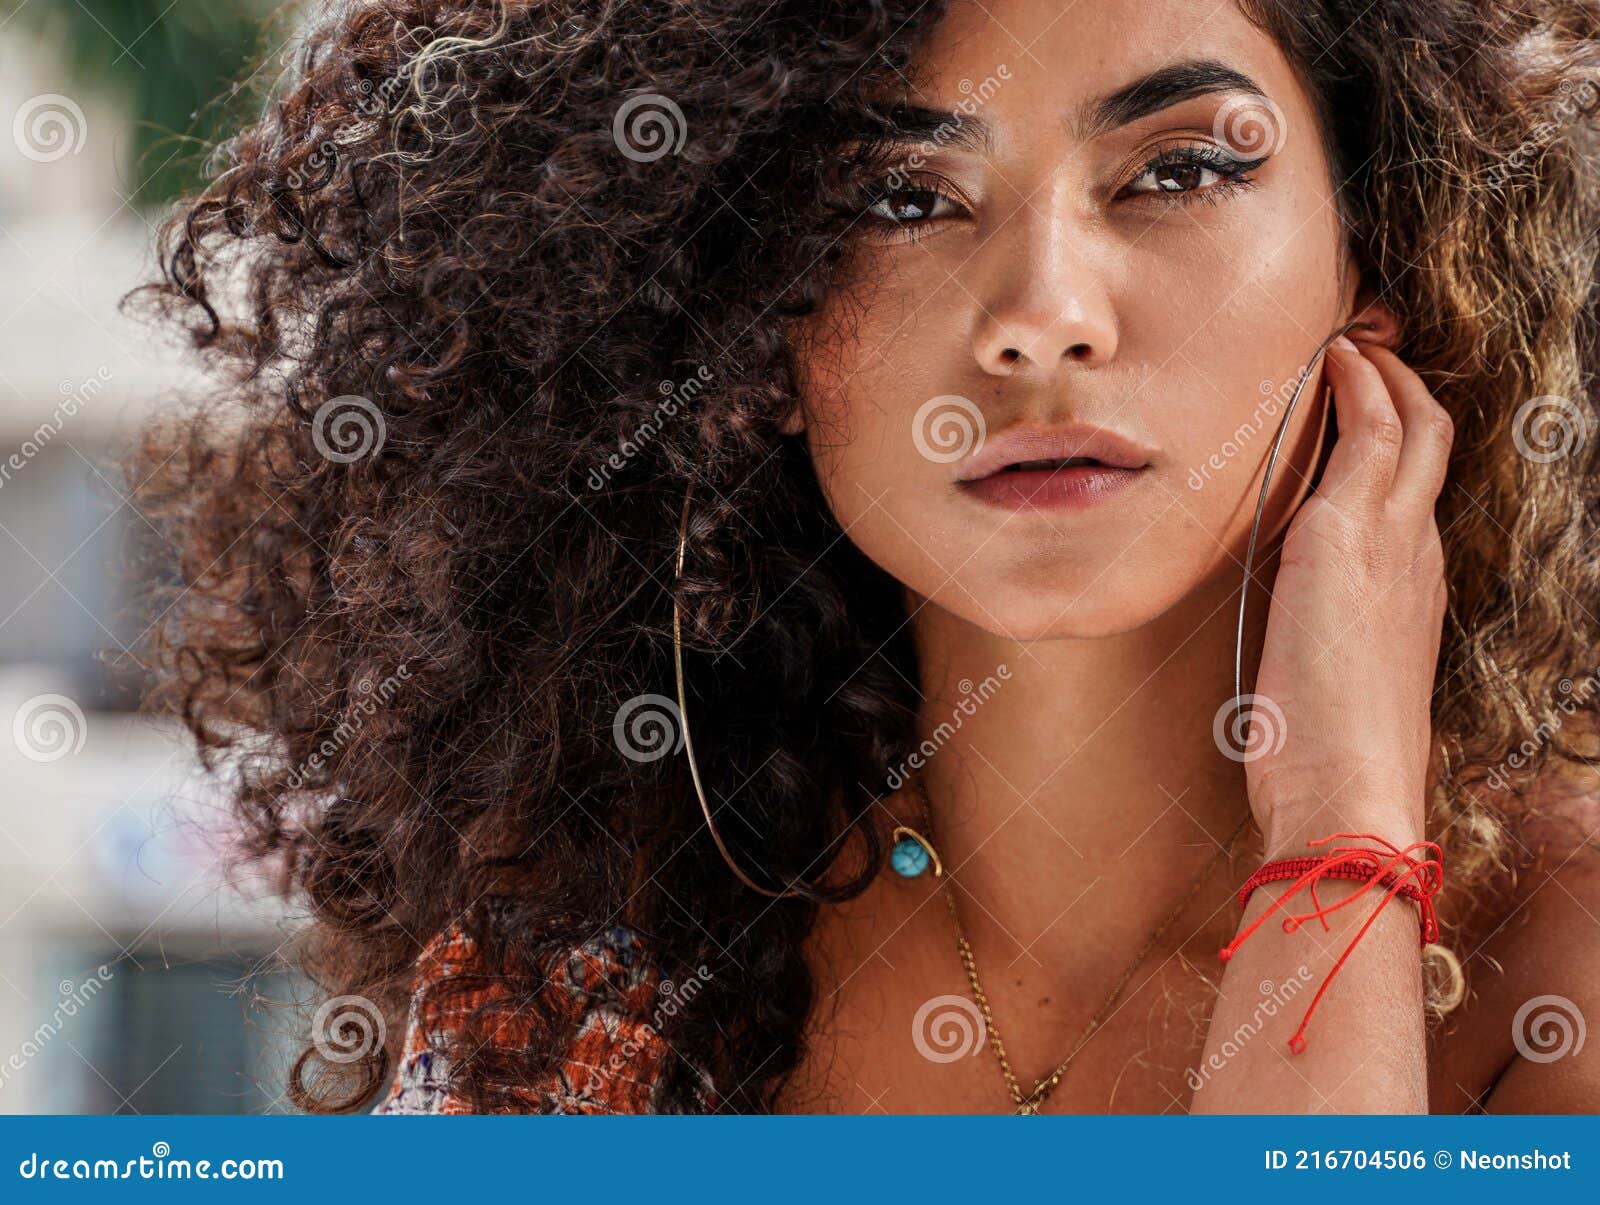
{"type": "Point", "coordinates": [1344, 344]}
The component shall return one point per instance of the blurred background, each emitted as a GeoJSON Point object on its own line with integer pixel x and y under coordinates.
{"type": "Point", "coordinates": [133, 978]}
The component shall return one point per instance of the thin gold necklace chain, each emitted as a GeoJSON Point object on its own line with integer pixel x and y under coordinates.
{"type": "Point", "coordinates": [1029, 1104]}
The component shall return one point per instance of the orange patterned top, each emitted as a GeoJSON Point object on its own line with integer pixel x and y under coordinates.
{"type": "Point", "coordinates": [608, 992]}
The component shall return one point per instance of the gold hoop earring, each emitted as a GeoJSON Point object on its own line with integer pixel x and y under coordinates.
{"type": "Point", "coordinates": [1261, 506]}
{"type": "Point", "coordinates": [683, 719]}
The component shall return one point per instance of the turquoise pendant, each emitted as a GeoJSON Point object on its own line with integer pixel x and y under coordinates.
{"type": "Point", "coordinates": [912, 854]}
{"type": "Point", "coordinates": [909, 858]}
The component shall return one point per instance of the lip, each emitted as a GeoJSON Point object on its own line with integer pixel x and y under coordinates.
{"type": "Point", "coordinates": [1118, 461]}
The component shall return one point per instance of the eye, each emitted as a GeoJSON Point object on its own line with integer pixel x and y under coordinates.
{"type": "Point", "coordinates": [912, 205]}
{"type": "Point", "coordinates": [1189, 172]}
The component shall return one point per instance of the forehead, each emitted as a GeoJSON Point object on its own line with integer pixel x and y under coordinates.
{"type": "Point", "coordinates": [1054, 56]}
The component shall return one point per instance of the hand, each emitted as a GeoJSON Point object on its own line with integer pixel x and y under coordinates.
{"type": "Point", "coordinates": [1352, 642]}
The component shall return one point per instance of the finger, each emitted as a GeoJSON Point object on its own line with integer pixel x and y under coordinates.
{"type": "Point", "coordinates": [1442, 586]}
{"type": "Point", "coordinates": [1429, 431]}
{"type": "Point", "coordinates": [1432, 563]}
{"type": "Point", "coordinates": [1364, 457]}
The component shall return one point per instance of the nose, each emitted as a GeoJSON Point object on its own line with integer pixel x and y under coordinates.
{"type": "Point", "coordinates": [1045, 306]}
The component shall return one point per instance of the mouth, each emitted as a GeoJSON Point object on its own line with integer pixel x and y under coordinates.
{"type": "Point", "coordinates": [1030, 468]}
{"type": "Point", "coordinates": [1050, 466]}
{"type": "Point", "coordinates": [1072, 482]}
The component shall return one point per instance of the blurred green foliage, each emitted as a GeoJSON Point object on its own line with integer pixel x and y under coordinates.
{"type": "Point", "coordinates": [172, 66]}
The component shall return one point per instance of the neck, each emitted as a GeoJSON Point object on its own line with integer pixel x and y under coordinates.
{"type": "Point", "coordinates": [1050, 764]}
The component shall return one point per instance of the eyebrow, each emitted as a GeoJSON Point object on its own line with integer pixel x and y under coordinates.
{"type": "Point", "coordinates": [1159, 90]}
{"type": "Point", "coordinates": [918, 123]}
{"type": "Point", "coordinates": [1148, 94]}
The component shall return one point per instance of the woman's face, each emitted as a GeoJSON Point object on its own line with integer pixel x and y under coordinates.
{"type": "Point", "coordinates": [1070, 267]}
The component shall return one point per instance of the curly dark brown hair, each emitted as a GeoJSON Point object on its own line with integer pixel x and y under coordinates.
{"type": "Point", "coordinates": [423, 538]}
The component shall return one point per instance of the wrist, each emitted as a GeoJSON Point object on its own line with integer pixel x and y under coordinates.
{"type": "Point", "coordinates": [1288, 829]}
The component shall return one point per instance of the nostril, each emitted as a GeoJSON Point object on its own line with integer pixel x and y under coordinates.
{"type": "Point", "coordinates": [1079, 351]}
{"type": "Point", "coordinates": [1009, 356]}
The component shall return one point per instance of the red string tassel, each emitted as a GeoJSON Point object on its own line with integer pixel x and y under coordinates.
{"type": "Point", "coordinates": [1395, 868]}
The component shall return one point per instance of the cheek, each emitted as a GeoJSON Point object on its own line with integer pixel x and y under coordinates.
{"type": "Point", "coordinates": [1248, 328]}
{"type": "Point", "coordinates": [876, 482]}
{"type": "Point", "coordinates": [895, 332]}
{"type": "Point", "coordinates": [869, 367]}
{"type": "Point", "coordinates": [869, 364]}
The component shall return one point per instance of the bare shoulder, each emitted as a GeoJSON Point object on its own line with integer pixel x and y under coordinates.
{"type": "Point", "coordinates": [1518, 1043]}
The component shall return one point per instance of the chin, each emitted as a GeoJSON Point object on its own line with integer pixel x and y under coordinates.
{"type": "Point", "coordinates": [1046, 601]}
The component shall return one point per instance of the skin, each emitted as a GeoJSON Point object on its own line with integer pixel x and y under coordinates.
{"type": "Point", "coordinates": [1075, 806]}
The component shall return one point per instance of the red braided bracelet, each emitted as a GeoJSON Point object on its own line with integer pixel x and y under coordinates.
{"type": "Point", "coordinates": [1395, 868]}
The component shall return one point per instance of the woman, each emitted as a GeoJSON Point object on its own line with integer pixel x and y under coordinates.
{"type": "Point", "coordinates": [724, 591]}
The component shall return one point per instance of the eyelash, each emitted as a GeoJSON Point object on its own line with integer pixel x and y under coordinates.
{"type": "Point", "coordinates": [1231, 170]}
